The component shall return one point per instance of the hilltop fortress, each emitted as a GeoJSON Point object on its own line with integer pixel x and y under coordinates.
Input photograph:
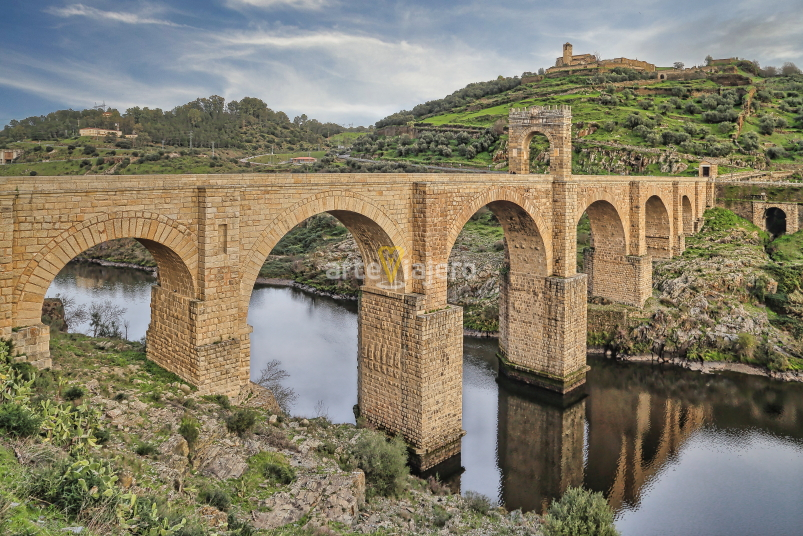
{"type": "Point", "coordinates": [590, 62]}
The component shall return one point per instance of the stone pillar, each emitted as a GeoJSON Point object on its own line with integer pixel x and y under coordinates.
{"type": "Point", "coordinates": [678, 241]}
{"type": "Point", "coordinates": [540, 442]}
{"type": "Point", "coordinates": [638, 240]}
{"type": "Point", "coordinates": [542, 330]}
{"type": "Point", "coordinates": [620, 278]}
{"type": "Point", "coordinates": [6, 265]}
{"type": "Point", "coordinates": [564, 234]}
{"type": "Point", "coordinates": [199, 336]}
{"type": "Point", "coordinates": [410, 372]}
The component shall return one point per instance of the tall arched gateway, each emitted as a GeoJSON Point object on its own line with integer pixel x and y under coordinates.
{"type": "Point", "coordinates": [211, 233]}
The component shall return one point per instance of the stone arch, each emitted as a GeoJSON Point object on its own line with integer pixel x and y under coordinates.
{"type": "Point", "coordinates": [775, 221]}
{"type": "Point", "coordinates": [658, 228]}
{"type": "Point", "coordinates": [525, 229]}
{"type": "Point", "coordinates": [607, 229]}
{"type": "Point", "coordinates": [371, 227]}
{"type": "Point", "coordinates": [688, 215]}
{"type": "Point", "coordinates": [173, 246]}
{"type": "Point", "coordinates": [554, 122]}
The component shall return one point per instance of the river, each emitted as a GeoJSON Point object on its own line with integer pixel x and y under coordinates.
{"type": "Point", "coordinates": [675, 452]}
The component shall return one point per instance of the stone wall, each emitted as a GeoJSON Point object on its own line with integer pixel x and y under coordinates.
{"type": "Point", "coordinates": [619, 278]}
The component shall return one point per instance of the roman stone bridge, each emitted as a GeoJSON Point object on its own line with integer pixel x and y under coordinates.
{"type": "Point", "coordinates": [210, 235]}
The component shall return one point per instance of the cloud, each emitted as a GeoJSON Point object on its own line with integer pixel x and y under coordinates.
{"type": "Point", "coordinates": [307, 5]}
{"type": "Point", "coordinates": [80, 10]}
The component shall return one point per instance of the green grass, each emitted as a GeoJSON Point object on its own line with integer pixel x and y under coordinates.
{"type": "Point", "coordinates": [787, 248]}
{"type": "Point", "coordinates": [284, 157]}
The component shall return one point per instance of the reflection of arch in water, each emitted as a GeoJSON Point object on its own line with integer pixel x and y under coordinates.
{"type": "Point", "coordinates": [540, 441]}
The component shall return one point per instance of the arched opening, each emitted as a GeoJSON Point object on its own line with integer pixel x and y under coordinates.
{"type": "Point", "coordinates": [688, 216]}
{"type": "Point", "coordinates": [495, 262]}
{"type": "Point", "coordinates": [304, 308]}
{"type": "Point", "coordinates": [101, 299]}
{"type": "Point", "coordinates": [775, 221]}
{"type": "Point", "coordinates": [601, 242]}
{"type": "Point", "coordinates": [538, 153]}
{"type": "Point", "coordinates": [657, 228]}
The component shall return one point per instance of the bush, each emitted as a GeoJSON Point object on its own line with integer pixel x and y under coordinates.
{"type": "Point", "coordinates": [18, 421]}
{"type": "Point", "coordinates": [33, 173]}
{"type": "Point", "coordinates": [281, 473]}
{"type": "Point", "coordinates": [477, 502]}
{"type": "Point", "coordinates": [74, 393]}
{"type": "Point", "coordinates": [440, 516]}
{"type": "Point", "coordinates": [190, 430]}
{"type": "Point", "coordinates": [384, 463]}
{"type": "Point", "coordinates": [89, 149]}
{"type": "Point", "coordinates": [220, 400]}
{"type": "Point", "coordinates": [215, 497]}
{"type": "Point", "coordinates": [746, 345]}
{"type": "Point", "coordinates": [145, 449]}
{"type": "Point", "coordinates": [241, 421]}
{"type": "Point", "coordinates": [774, 153]}
{"type": "Point", "coordinates": [580, 513]}
{"type": "Point", "coordinates": [103, 435]}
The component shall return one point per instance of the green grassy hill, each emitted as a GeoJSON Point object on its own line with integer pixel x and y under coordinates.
{"type": "Point", "coordinates": [623, 122]}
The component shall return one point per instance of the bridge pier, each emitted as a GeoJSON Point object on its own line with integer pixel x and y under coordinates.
{"type": "Point", "coordinates": [542, 330]}
{"type": "Point", "coordinates": [187, 337]}
{"type": "Point", "coordinates": [411, 372]}
{"type": "Point", "coordinates": [620, 278]}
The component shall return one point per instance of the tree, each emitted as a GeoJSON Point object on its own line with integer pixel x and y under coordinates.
{"type": "Point", "coordinates": [271, 378]}
{"type": "Point", "coordinates": [789, 69]}
{"type": "Point", "coordinates": [541, 71]}
{"type": "Point", "coordinates": [708, 59]}
{"type": "Point", "coordinates": [678, 65]}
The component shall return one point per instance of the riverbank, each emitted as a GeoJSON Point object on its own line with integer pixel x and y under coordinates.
{"type": "Point", "coordinates": [203, 465]}
{"type": "Point", "coordinates": [709, 367]}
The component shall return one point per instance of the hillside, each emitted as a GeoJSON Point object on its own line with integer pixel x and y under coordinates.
{"type": "Point", "coordinates": [623, 122]}
{"type": "Point", "coordinates": [206, 135]}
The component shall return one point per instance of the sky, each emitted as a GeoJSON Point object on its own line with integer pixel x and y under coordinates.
{"type": "Point", "coordinates": [351, 62]}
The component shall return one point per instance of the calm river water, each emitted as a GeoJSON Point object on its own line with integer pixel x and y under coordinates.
{"type": "Point", "coordinates": [675, 452]}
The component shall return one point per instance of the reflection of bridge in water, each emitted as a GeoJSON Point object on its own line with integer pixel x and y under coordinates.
{"type": "Point", "coordinates": [632, 425]}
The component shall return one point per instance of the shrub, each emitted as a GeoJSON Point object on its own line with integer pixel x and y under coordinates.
{"type": "Point", "coordinates": [281, 473]}
{"type": "Point", "coordinates": [145, 449]}
{"type": "Point", "coordinates": [477, 502]}
{"type": "Point", "coordinates": [746, 345]}
{"type": "Point", "coordinates": [774, 153]}
{"type": "Point", "coordinates": [103, 435]}
{"type": "Point", "coordinates": [384, 463]}
{"type": "Point", "coordinates": [215, 497]}
{"type": "Point", "coordinates": [440, 516]}
{"type": "Point", "coordinates": [241, 421]}
{"type": "Point", "coordinates": [220, 400]}
{"type": "Point", "coordinates": [18, 421]}
{"type": "Point", "coordinates": [33, 173]}
{"type": "Point", "coordinates": [580, 513]}
{"type": "Point", "coordinates": [89, 149]}
{"type": "Point", "coordinates": [74, 393]}
{"type": "Point", "coordinates": [190, 430]}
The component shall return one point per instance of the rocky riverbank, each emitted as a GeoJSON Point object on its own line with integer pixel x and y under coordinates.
{"type": "Point", "coordinates": [203, 465]}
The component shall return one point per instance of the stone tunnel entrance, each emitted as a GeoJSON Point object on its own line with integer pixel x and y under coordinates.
{"type": "Point", "coordinates": [775, 221]}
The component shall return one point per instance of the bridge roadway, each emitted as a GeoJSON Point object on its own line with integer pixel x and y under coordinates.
{"type": "Point", "coordinates": [210, 235]}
